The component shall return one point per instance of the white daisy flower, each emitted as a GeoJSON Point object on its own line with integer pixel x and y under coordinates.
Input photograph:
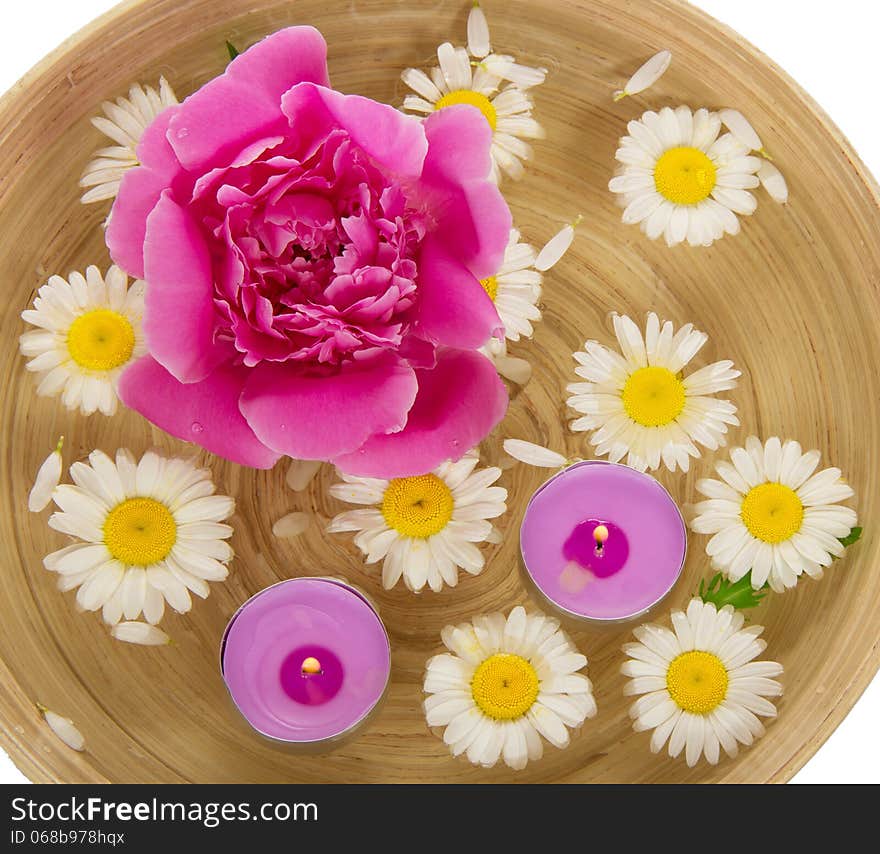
{"type": "Point", "coordinates": [639, 404]}
{"type": "Point", "coordinates": [148, 532]}
{"type": "Point", "coordinates": [89, 329]}
{"type": "Point", "coordinates": [493, 83]}
{"type": "Point", "coordinates": [772, 515]}
{"type": "Point", "coordinates": [700, 688]}
{"type": "Point", "coordinates": [424, 528]}
{"type": "Point", "coordinates": [679, 178]}
{"type": "Point", "coordinates": [124, 123]}
{"type": "Point", "coordinates": [507, 682]}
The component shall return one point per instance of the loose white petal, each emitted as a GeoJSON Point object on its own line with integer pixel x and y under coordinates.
{"type": "Point", "coordinates": [48, 477]}
{"type": "Point", "coordinates": [301, 472]}
{"type": "Point", "coordinates": [291, 525]}
{"type": "Point", "coordinates": [773, 182]}
{"type": "Point", "coordinates": [478, 33]}
{"type": "Point", "coordinates": [64, 729]}
{"type": "Point", "coordinates": [741, 128]}
{"type": "Point", "coordinates": [647, 75]}
{"type": "Point", "coordinates": [140, 633]}
{"type": "Point", "coordinates": [534, 455]}
{"type": "Point", "coordinates": [556, 247]}
{"type": "Point", "coordinates": [518, 371]}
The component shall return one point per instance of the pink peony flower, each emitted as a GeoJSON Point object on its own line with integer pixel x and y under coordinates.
{"type": "Point", "coordinates": [313, 263]}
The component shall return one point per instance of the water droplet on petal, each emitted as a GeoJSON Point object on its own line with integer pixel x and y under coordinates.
{"type": "Point", "coordinates": [197, 428]}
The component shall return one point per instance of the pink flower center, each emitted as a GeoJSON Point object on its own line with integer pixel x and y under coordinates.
{"type": "Point", "coordinates": [315, 257]}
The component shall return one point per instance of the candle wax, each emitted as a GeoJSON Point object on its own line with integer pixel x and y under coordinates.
{"type": "Point", "coordinates": [272, 635]}
{"type": "Point", "coordinates": [640, 560]}
{"type": "Point", "coordinates": [601, 558]}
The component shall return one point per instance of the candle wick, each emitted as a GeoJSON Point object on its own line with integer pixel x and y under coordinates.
{"type": "Point", "coordinates": [311, 667]}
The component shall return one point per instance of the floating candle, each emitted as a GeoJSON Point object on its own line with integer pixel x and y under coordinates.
{"type": "Point", "coordinates": [603, 541]}
{"type": "Point", "coordinates": [306, 660]}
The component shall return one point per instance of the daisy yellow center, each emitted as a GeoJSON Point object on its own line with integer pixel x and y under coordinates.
{"type": "Point", "coordinates": [100, 340]}
{"type": "Point", "coordinates": [697, 681]}
{"type": "Point", "coordinates": [505, 686]}
{"type": "Point", "coordinates": [490, 286]}
{"type": "Point", "coordinates": [772, 512]}
{"type": "Point", "coordinates": [684, 175]}
{"type": "Point", "coordinates": [140, 531]}
{"type": "Point", "coordinates": [418, 506]}
{"type": "Point", "coordinates": [653, 397]}
{"type": "Point", "coordinates": [474, 99]}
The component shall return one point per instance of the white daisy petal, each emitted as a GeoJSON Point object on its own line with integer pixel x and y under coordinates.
{"type": "Point", "coordinates": [555, 248]}
{"type": "Point", "coordinates": [64, 728]}
{"type": "Point", "coordinates": [773, 182]}
{"type": "Point", "coordinates": [140, 633]}
{"type": "Point", "coordinates": [48, 476]}
{"type": "Point", "coordinates": [478, 32]}
{"type": "Point", "coordinates": [291, 525]}
{"type": "Point", "coordinates": [532, 454]}
{"type": "Point", "coordinates": [646, 75]}
{"type": "Point", "coordinates": [740, 127]}
{"type": "Point", "coordinates": [301, 472]}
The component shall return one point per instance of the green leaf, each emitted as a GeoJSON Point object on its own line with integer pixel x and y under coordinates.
{"type": "Point", "coordinates": [233, 50]}
{"type": "Point", "coordinates": [852, 537]}
{"type": "Point", "coordinates": [720, 592]}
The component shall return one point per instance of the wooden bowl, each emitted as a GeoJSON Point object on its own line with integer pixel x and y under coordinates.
{"type": "Point", "coordinates": [793, 300]}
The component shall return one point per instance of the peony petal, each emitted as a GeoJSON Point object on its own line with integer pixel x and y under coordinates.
{"type": "Point", "coordinates": [454, 309]}
{"type": "Point", "coordinates": [459, 401]}
{"type": "Point", "coordinates": [320, 417]}
{"type": "Point", "coordinates": [393, 139]}
{"type": "Point", "coordinates": [248, 97]}
{"type": "Point", "coordinates": [178, 268]}
{"type": "Point", "coordinates": [472, 217]}
{"type": "Point", "coordinates": [206, 413]}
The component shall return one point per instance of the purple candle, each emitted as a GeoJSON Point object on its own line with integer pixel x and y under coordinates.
{"type": "Point", "coordinates": [602, 541]}
{"type": "Point", "coordinates": [306, 660]}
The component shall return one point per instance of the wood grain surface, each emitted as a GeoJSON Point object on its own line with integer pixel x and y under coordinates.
{"type": "Point", "coordinates": [793, 300]}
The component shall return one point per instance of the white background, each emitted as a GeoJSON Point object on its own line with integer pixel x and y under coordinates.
{"type": "Point", "coordinates": [832, 55]}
